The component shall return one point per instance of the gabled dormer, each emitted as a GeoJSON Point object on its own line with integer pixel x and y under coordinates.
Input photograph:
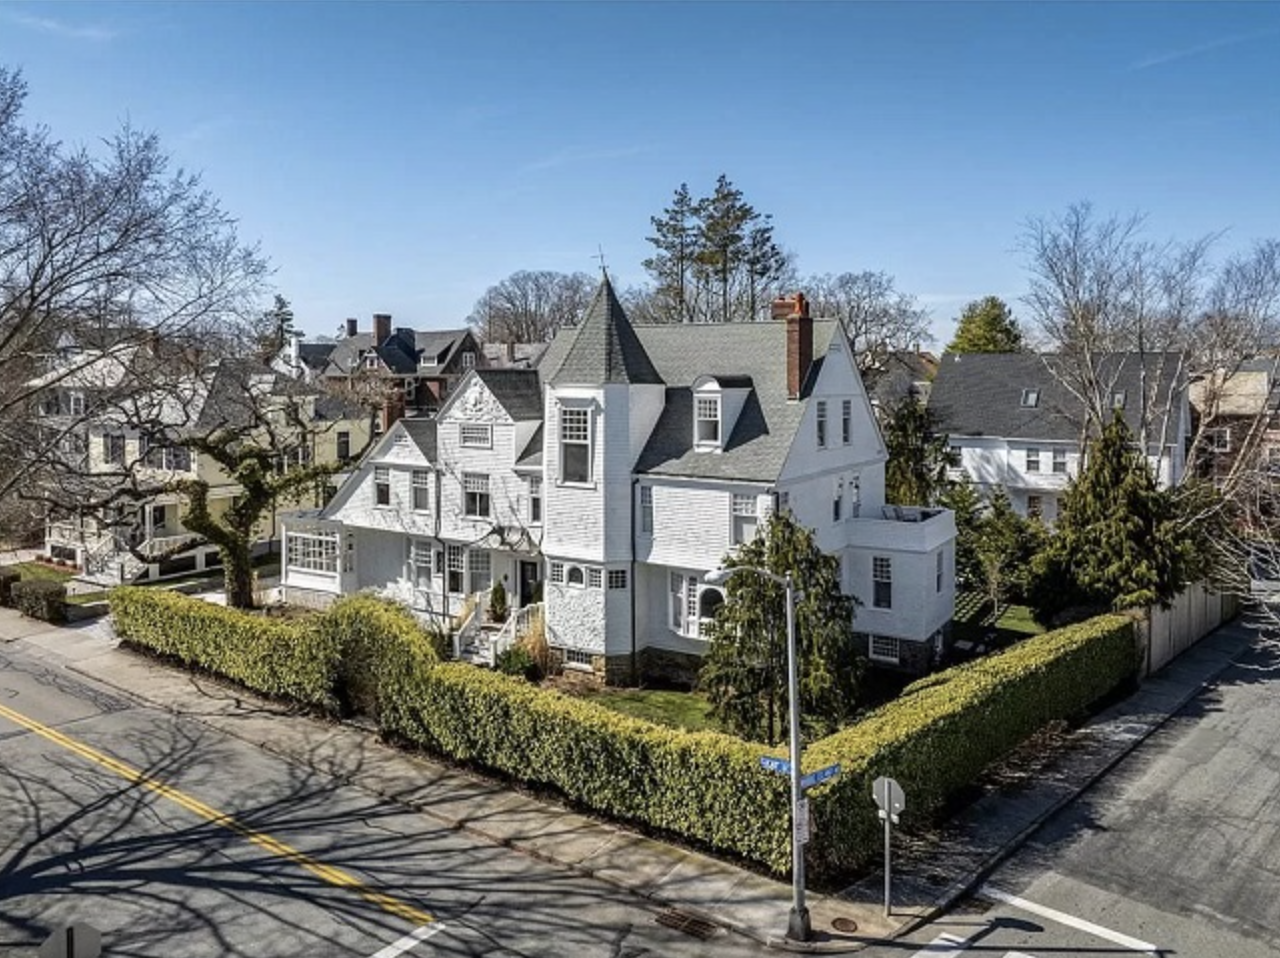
{"type": "Point", "coordinates": [717, 403]}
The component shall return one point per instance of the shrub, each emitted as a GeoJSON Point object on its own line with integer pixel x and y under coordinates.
{"type": "Point", "coordinates": [518, 660]}
{"type": "Point", "coordinates": [366, 629]}
{"type": "Point", "coordinates": [292, 659]}
{"type": "Point", "coordinates": [8, 576]}
{"type": "Point", "coordinates": [498, 608]}
{"type": "Point", "coordinates": [40, 599]}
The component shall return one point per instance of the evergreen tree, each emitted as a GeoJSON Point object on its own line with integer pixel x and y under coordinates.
{"type": "Point", "coordinates": [987, 326]}
{"type": "Point", "coordinates": [745, 670]}
{"type": "Point", "coordinates": [919, 455]}
{"type": "Point", "coordinates": [964, 500]}
{"type": "Point", "coordinates": [273, 330]}
{"type": "Point", "coordinates": [1118, 542]}
{"type": "Point", "coordinates": [715, 257]}
{"type": "Point", "coordinates": [1004, 546]}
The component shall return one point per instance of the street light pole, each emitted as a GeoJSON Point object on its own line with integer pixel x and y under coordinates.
{"type": "Point", "coordinates": [798, 925]}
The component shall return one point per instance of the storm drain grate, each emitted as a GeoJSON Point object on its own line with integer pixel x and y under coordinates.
{"type": "Point", "coordinates": [684, 922]}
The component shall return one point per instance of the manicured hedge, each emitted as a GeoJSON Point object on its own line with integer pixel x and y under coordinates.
{"type": "Point", "coordinates": [8, 577]}
{"type": "Point", "coordinates": [935, 739]}
{"type": "Point", "coordinates": [938, 736]}
{"type": "Point", "coordinates": [40, 599]}
{"type": "Point", "coordinates": [370, 633]}
{"type": "Point", "coordinates": [282, 658]}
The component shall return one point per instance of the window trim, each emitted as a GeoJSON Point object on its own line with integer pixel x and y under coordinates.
{"type": "Point", "coordinates": [420, 481]}
{"type": "Point", "coordinates": [882, 575]}
{"type": "Point", "coordinates": [481, 435]}
{"type": "Point", "coordinates": [704, 405]}
{"type": "Point", "coordinates": [1030, 398]}
{"type": "Point", "coordinates": [846, 421]}
{"type": "Point", "coordinates": [484, 497]}
{"type": "Point", "coordinates": [646, 510]}
{"type": "Point", "coordinates": [616, 579]}
{"type": "Point", "coordinates": [382, 487]}
{"type": "Point", "coordinates": [1059, 462]}
{"type": "Point", "coordinates": [586, 442]}
{"type": "Point", "coordinates": [1032, 454]}
{"type": "Point", "coordinates": [535, 504]}
{"type": "Point", "coordinates": [820, 424]}
{"type": "Point", "coordinates": [744, 511]}
{"type": "Point", "coordinates": [882, 656]}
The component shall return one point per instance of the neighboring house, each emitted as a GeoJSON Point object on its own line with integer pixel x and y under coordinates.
{"type": "Point", "coordinates": [419, 367]}
{"type": "Point", "coordinates": [898, 375]}
{"type": "Point", "coordinates": [1017, 428]}
{"type": "Point", "coordinates": [615, 476]}
{"type": "Point", "coordinates": [135, 443]}
{"type": "Point", "coordinates": [513, 355]}
{"type": "Point", "coordinates": [1236, 418]}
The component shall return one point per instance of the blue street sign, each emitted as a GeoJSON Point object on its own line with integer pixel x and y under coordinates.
{"type": "Point", "coordinates": [820, 776]}
{"type": "Point", "coordinates": [779, 765]}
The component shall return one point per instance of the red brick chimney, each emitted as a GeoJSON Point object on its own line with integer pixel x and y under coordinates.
{"type": "Point", "coordinates": [392, 409]}
{"type": "Point", "coordinates": [353, 327]}
{"type": "Point", "coordinates": [381, 328]}
{"type": "Point", "coordinates": [795, 310]}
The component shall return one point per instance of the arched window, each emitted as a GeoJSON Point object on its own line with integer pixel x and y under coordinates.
{"type": "Point", "coordinates": [709, 602]}
{"type": "Point", "coordinates": [574, 575]}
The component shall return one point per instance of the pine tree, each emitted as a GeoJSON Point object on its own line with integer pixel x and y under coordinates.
{"type": "Point", "coordinates": [919, 455]}
{"type": "Point", "coordinates": [987, 326]}
{"type": "Point", "coordinates": [1004, 546]}
{"type": "Point", "coordinates": [964, 500]}
{"type": "Point", "coordinates": [1118, 542]}
{"type": "Point", "coordinates": [745, 670]}
{"type": "Point", "coordinates": [676, 239]}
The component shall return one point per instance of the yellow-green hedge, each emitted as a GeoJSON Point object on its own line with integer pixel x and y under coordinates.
{"type": "Point", "coordinates": [935, 739]}
{"type": "Point", "coordinates": [284, 658]}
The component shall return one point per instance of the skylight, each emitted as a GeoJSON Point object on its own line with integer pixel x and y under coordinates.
{"type": "Point", "coordinates": [1031, 398]}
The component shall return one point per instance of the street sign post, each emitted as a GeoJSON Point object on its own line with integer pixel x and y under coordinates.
{"type": "Point", "coordinates": [891, 800]}
{"type": "Point", "coordinates": [75, 941]}
{"type": "Point", "coordinates": [820, 776]}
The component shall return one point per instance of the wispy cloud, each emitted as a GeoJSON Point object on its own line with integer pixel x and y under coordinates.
{"type": "Point", "coordinates": [575, 156]}
{"type": "Point", "coordinates": [95, 33]}
{"type": "Point", "coordinates": [1172, 56]}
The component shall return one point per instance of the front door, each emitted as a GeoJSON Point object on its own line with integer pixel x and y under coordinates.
{"type": "Point", "coordinates": [528, 581]}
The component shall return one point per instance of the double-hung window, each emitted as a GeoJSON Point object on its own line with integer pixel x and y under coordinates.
{"type": "Point", "coordinates": [575, 444]}
{"type": "Point", "coordinates": [381, 485]}
{"type": "Point", "coordinates": [454, 559]}
{"type": "Point", "coordinates": [1033, 460]}
{"type": "Point", "coordinates": [837, 500]}
{"type": "Point", "coordinates": [822, 424]}
{"type": "Point", "coordinates": [114, 449]}
{"type": "Point", "coordinates": [646, 510]}
{"type": "Point", "coordinates": [882, 582]}
{"type": "Point", "coordinates": [420, 563]}
{"type": "Point", "coordinates": [846, 421]}
{"type": "Point", "coordinates": [1060, 462]}
{"type": "Point", "coordinates": [745, 519]}
{"type": "Point", "coordinates": [937, 572]}
{"type": "Point", "coordinates": [535, 500]}
{"type": "Point", "coordinates": [344, 446]}
{"type": "Point", "coordinates": [421, 490]}
{"type": "Point", "coordinates": [475, 491]}
{"type": "Point", "coordinates": [707, 420]}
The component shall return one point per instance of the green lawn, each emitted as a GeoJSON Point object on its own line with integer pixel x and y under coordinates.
{"type": "Point", "coordinates": [686, 710]}
{"type": "Point", "coordinates": [974, 621]}
{"type": "Point", "coordinates": [38, 570]}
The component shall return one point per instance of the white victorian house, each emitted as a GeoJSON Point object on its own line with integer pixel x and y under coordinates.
{"type": "Point", "coordinates": [612, 478]}
{"type": "Point", "coordinates": [1016, 427]}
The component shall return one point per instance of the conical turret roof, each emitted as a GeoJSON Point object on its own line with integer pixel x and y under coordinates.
{"type": "Point", "coordinates": [605, 349]}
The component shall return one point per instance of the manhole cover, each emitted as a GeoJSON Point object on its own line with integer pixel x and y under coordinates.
{"type": "Point", "coordinates": [846, 926]}
{"type": "Point", "coordinates": [684, 922]}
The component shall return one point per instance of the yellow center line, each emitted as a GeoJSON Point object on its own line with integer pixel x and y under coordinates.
{"type": "Point", "coordinates": [326, 873]}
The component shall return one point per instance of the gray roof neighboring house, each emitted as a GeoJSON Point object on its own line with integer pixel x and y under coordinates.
{"type": "Point", "coordinates": [403, 352]}
{"type": "Point", "coordinates": [990, 394]}
{"type": "Point", "coordinates": [897, 375]}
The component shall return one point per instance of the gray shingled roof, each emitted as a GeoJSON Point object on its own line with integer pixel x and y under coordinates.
{"type": "Point", "coordinates": [423, 434]}
{"type": "Point", "coordinates": [757, 448]}
{"type": "Point", "coordinates": [519, 391]}
{"type": "Point", "coordinates": [894, 376]}
{"type": "Point", "coordinates": [402, 351]}
{"type": "Point", "coordinates": [603, 348]}
{"type": "Point", "coordinates": [980, 394]}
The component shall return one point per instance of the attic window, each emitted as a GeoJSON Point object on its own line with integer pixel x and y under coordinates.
{"type": "Point", "coordinates": [1031, 398]}
{"type": "Point", "coordinates": [468, 360]}
{"type": "Point", "coordinates": [478, 435]}
{"type": "Point", "coordinates": [1118, 398]}
{"type": "Point", "coordinates": [706, 417]}
{"type": "Point", "coordinates": [371, 360]}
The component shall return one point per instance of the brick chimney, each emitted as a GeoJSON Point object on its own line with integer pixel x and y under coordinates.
{"type": "Point", "coordinates": [392, 409]}
{"type": "Point", "coordinates": [381, 328]}
{"type": "Point", "coordinates": [353, 327]}
{"type": "Point", "coordinates": [795, 310]}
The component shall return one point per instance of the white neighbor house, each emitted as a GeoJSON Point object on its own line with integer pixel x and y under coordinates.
{"type": "Point", "coordinates": [622, 470]}
{"type": "Point", "coordinates": [1016, 427]}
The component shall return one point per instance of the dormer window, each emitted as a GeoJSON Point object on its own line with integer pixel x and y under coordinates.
{"type": "Point", "coordinates": [1118, 399]}
{"type": "Point", "coordinates": [1030, 398]}
{"type": "Point", "coordinates": [706, 423]}
{"type": "Point", "coordinates": [370, 360]}
{"type": "Point", "coordinates": [468, 360]}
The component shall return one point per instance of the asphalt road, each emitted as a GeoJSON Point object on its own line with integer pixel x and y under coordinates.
{"type": "Point", "coordinates": [1176, 851]}
{"type": "Point", "coordinates": [173, 839]}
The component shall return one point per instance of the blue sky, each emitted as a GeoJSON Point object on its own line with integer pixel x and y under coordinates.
{"type": "Point", "coordinates": [401, 157]}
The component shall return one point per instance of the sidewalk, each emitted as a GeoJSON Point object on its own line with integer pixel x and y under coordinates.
{"type": "Point", "coordinates": [928, 877]}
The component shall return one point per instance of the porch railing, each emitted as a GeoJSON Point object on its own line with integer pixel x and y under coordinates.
{"type": "Point", "coordinates": [519, 624]}
{"type": "Point", "coordinates": [467, 633]}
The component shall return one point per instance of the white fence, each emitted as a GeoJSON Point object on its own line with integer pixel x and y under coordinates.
{"type": "Point", "coordinates": [1194, 614]}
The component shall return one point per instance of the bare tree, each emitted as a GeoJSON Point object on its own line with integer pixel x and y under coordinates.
{"type": "Point", "coordinates": [111, 250]}
{"type": "Point", "coordinates": [877, 317]}
{"type": "Point", "coordinates": [530, 306]}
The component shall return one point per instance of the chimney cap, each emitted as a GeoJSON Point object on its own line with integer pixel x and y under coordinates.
{"type": "Point", "coordinates": [785, 307]}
